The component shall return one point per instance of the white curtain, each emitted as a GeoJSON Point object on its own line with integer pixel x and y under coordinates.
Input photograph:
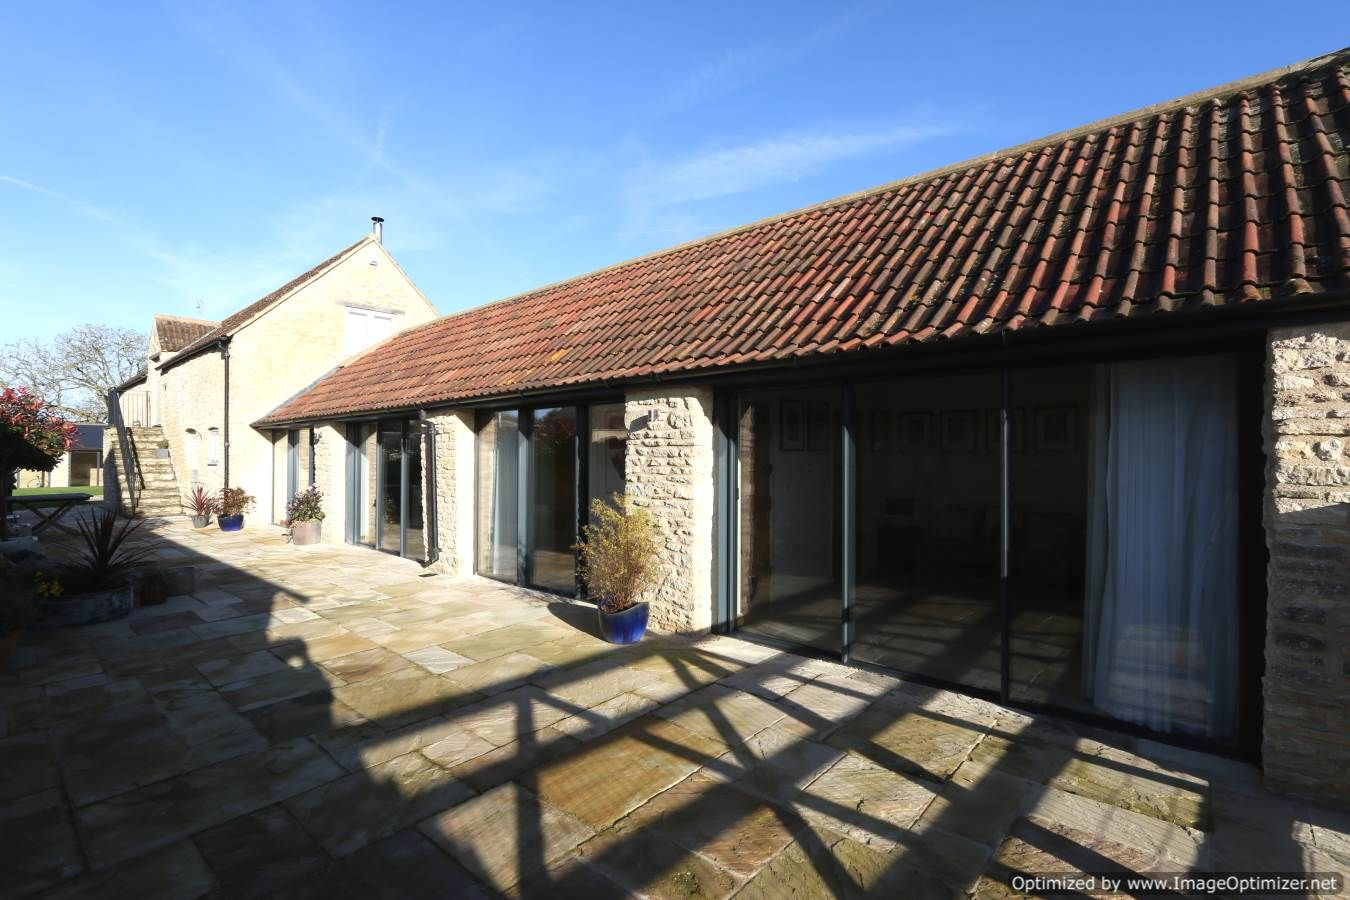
{"type": "Point", "coordinates": [1161, 620]}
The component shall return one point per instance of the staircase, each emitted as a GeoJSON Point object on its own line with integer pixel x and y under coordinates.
{"type": "Point", "coordinates": [156, 488]}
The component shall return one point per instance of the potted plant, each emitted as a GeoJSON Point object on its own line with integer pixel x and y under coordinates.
{"type": "Point", "coordinates": [201, 503]}
{"type": "Point", "coordinates": [304, 516]}
{"type": "Point", "coordinates": [162, 449]}
{"type": "Point", "coordinates": [231, 505]}
{"type": "Point", "coordinates": [618, 564]}
{"type": "Point", "coordinates": [97, 587]}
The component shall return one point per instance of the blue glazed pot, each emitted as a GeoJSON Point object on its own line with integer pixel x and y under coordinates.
{"type": "Point", "coordinates": [230, 523]}
{"type": "Point", "coordinates": [625, 627]}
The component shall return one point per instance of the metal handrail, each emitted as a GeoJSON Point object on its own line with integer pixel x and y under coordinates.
{"type": "Point", "coordinates": [130, 464]}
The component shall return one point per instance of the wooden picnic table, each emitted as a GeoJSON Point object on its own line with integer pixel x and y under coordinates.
{"type": "Point", "coordinates": [34, 503]}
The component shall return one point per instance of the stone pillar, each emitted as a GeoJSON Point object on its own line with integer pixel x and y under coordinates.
{"type": "Point", "coordinates": [330, 476]}
{"type": "Point", "coordinates": [454, 490]}
{"type": "Point", "coordinates": [1307, 522]}
{"type": "Point", "coordinates": [669, 471]}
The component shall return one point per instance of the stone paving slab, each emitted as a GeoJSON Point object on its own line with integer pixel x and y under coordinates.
{"type": "Point", "coordinates": [339, 723]}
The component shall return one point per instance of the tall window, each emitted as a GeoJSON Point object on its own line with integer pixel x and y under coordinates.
{"type": "Point", "coordinates": [537, 470]}
{"type": "Point", "coordinates": [927, 598]}
{"type": "Point", "coordinates": [1059, 536]}
{"type": "Point", "coordinates": [384, 486]}
{"type": "Point", "coordinates": [213, 446]}
{"type": "Point", "coordinates": [791, 564]}
{"type": "Point", "coordinates": [498, 497]}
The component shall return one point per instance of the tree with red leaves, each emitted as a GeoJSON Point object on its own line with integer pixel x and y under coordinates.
{"type": "Point", "coordinates": [33, 435]}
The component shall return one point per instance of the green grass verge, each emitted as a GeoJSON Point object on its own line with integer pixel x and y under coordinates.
{"type": "Point", "coordinates": [40, 491]}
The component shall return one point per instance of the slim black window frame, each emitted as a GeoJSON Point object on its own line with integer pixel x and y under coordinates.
{"type": "Point", "coordinates": [525, 484]}
{"type": "Point", "coordinates": [409, 430]}
{"type": "Point", "coordinates": [1248, 353]}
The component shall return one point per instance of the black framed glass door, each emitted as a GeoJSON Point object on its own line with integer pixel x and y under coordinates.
{"type": "Point", "coordinates": [384, 487]}
{"type": "Point", "coordinates": [1061, 537]}
{"type": "Point", "coordinates": [536, 470]}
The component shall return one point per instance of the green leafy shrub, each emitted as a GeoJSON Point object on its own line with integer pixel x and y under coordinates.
{"type": "Point", "coordinates": [305, 506]}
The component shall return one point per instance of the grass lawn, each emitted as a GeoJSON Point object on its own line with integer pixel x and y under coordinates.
{"type": "Point", "coordinates": [95, 491]}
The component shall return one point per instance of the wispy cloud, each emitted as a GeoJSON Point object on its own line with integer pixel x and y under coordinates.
{"type": "Point", "coordinates": [89, 210]}
{"type": "Point", "coordinates": [724, 171]}
{"type": "Point", "coordinates": [740, 67]}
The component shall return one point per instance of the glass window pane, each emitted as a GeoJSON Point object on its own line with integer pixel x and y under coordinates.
{"type": "Point", "coordinates": [1123, 574]}
{"type": "Point", "coordinates": [1050, 418]}
{"type": "Point", "coordinates": [497, 506]}
{"type": "Point", "coordinates": [415, 546]}
{"type": "Point", "coordinates": [927, 598]}
{"type": "Point", "coordinates": [553, 508]}
{"type": "Point", "coordinates": [391, 485]}
{"type": "Point", "coordinates": [609, 445]}
{"type": "Point", "coordinates": [789, 537]}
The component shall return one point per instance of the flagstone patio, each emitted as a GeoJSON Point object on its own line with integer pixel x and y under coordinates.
{"type": "Point", "coordinates": [335, 722]}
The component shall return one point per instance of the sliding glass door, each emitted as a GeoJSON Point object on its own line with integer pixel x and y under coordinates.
{"type": "Point", "coordinates": [498, 467]}
{"type": "Point", "coordinates": [788, 458]}
{"type": "Point", "coordinates": [927, 596]}
{"type": "Point", "coordinates": [553, 499]}
{"type": "Point", "coordinates": [1061, 537]}
{"type": "Point", "coordinates": [384, 487]}
{"type": "Point", "coordinates": [537, 470]}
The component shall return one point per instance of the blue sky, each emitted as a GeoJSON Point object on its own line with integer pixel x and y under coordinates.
{"type": "Point", "coordinates": [189, 157]}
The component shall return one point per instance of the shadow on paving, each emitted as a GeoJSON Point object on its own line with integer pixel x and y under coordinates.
{"type": "Point", "coordinates": [331, 722]}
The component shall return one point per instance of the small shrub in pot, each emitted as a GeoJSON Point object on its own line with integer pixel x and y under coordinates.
{"type": "Point", "coordinates": [304, 516]}
{"type": "Point", "coordinates": [202, 505]}
{"type": "Point", "coordinates": [618, 565]}
{"type": "Point", "coordinates": [231, 504]}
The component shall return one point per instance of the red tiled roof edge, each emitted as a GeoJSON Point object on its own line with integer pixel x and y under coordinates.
{"type": "Point", "coordinates": [1222, 198]}
{"type": "Point", "coordinates": [176, 332]}
{"type": "Point", "coordinates": [232, 323]}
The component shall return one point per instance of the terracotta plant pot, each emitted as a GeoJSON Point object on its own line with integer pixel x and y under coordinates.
{"type": "Point", "coordinates": [230, 523]}
{"type": "Point", "coordinates": [304, 533]}
{"type": "Point", "coordinates": [625, 627]}
{"type": "Point", "coordinates": [9, 643]}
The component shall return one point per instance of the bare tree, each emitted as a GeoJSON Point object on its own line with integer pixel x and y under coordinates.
{"type": "Point", "coordinates": [74, 370]}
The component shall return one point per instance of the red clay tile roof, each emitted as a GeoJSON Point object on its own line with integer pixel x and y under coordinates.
{"type": "Point", "coordinates": [230, 324]}
{"type": "Point", "coordinates": [176, 332]}
{"type": "Point", "coordinates": [1227, 198]}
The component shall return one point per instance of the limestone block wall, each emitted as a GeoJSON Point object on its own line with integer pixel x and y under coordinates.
{"type": "Point", "coordinates": [194, 400]}
{"type": "Point", "coordinates": [454, 466]}
{"type": "Point", "coordinates": [669, 471]}
{"type": "Point", "coordinates": [1307, 523]}
{"type": "Point", "coordinates": [330, 476]}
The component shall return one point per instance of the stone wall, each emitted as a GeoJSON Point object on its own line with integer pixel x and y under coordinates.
{"type": "Point", "coordinates": [454, 490]}
{"type": "Point", "coordinates": [330, 476]}
{"type": "Point", "coordinates": [669, 471]}
{"type": "Point", "coordinates": [193, 404]}
{"type": "Point", "coordinates": [1307, 521]}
